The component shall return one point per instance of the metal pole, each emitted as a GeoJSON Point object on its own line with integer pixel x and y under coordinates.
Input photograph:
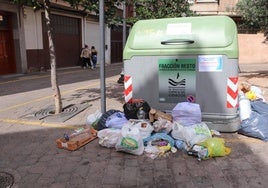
{"type": "Point", "coordinates": [124, 24]}
{"type": "Point", "coordinates": [102, 56]}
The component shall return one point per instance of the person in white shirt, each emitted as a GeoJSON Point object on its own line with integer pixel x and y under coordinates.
{"type": "Point", "coordinates": [85, 55]}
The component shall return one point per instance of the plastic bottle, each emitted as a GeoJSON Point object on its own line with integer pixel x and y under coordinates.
{"type": "Point", "coordinates": [244, 106]}
{"type": "Point", "coordinates": [141, 113]}
{"type": "Point", "coordinates": [69, 136]}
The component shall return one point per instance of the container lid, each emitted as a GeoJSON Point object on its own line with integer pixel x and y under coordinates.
{"type": "Point", "coordinates": [198, 33]}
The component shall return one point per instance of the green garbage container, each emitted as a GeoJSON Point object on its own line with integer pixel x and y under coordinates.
{"type": "Point", "coordinates": [171, 60]}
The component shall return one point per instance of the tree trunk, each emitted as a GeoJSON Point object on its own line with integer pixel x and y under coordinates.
{"type": "Point", "coordinates": [54, 80]}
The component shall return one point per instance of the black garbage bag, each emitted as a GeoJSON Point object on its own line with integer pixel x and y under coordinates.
{"type": "Point", "coordinates": [131, 108]}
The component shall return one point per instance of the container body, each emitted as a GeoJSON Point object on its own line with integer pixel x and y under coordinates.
{"type": "Point", "coordinates": [170, 60]}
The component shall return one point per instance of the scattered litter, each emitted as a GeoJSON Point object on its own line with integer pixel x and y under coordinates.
{"type": "Point", "coordinates": [144, 126]}
{"type": "Point", "coordinates": [253, 113]}
{"type": "Point", "coordinates": [140, 129]}
{"type": "Point", "coordinates": [216, 147]}
{"type": "Point", "coordinates": [77, 138]}
{"type": "Point", "coordinates": [130, 140]}
{"type": "Point", "coordinates": [187, 113]}
{"type": "Point", "coordinates": [109, 137]}
{"type": "Point", "coordinates": [93, 119]}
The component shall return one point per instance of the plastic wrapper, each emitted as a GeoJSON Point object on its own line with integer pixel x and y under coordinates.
{"type": "Point", "coordinates": [108, 137]}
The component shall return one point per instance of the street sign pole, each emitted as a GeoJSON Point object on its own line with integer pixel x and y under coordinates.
{"type": "Point", "coordinates": [102, 56]}
{"type": "Point", "coordinates": [124, 24]}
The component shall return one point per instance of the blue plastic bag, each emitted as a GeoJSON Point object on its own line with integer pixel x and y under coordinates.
{"type": "Point", "coordinates": [259, 106]}
{"type": "Point", "coordinates": [160, 136]}
{"type": "Point", "coordinates": [116, 120]}
{"type": "Point", "coordinates": [256, 126]}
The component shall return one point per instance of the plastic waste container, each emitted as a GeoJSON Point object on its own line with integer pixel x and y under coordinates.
{"type": "Point", "coordinates": [172, 59]}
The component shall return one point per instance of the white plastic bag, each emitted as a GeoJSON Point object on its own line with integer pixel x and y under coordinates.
{"type": "Point", "coordinates": [191, 135]}
{"type": "Point", "coordinates": [196, 133]}
{"type": "Point", "coordinates": [187, 113]}
{"type": "Point", "coordinates": [145, 128]}
{"type": "Point", "coordinates": [130, 140]}
{"type": "Point", "coordinates": [108, 137]}
{"type": "Point", "coordinates": [151, 151]}
{"type": "Point", "coordinates": [177, 131]}
{"type": "Point", "coordinates": [93, 119]}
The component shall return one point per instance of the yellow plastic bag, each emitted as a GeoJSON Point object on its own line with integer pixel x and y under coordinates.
{"type": "Point", "coordinates": [216, 147]}
{"type": "Point", "coordinates": [251, 95]}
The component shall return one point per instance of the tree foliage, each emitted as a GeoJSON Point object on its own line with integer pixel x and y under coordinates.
{"type": "Point", "coordinates": [111, 15]}
{"type": "Point", "coordinates": [35, 4]}
{"type": "Point", "coordinates": [144, 9]}
{"type": "Point", "coordinates": [254, 13]}
{"type": "Point", "coordinates": [154, 9]}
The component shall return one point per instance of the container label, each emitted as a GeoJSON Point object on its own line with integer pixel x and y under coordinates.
{"type": "Point", "coordinates": [210, 63]}
{"type": "Point", "coordinates": [177, 79]}
{"type": "Point", "coordinates": [179, 29]}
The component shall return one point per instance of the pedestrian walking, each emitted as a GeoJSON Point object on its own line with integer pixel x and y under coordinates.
{"type": "Point", "coordinates": [85, 55]}
{"type": "Point", "coordinates": [94, 56]}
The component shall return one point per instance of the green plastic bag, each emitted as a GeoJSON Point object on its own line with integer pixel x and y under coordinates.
{"type": "Point", "coordinates": [216, 147]}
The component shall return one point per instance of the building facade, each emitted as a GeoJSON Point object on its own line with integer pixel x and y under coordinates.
{"type": "Point", "coordinates": [12, 41]}
{"type": "Point", "coordinates": [214, 7]}
{"type": "Point", "coordinates": [24, 41]}
{"type": "Point", "coordinates": [252, 49]}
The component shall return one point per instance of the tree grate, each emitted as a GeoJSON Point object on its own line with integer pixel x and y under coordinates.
{"type": "Point", "coordinates": [48, 113]}
{"type": "Point", "coordinates": [6, 180]}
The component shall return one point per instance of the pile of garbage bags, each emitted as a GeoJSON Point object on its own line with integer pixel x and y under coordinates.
{"type": "Point", "coordinates": [140, 129]}
{"type": "Point", "coordinates": [253, 112]}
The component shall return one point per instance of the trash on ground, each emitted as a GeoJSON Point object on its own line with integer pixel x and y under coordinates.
{"type": "Point", "coordinates": [108, 137]}
{"type": "Point", "coordinates": [157, 115]}
{"type": "Point", "coordinates": [187, 113]}
{"type": "Point", "coordinates": [77, 138]}
{"type": "Point", "coordinates": [157, 134]}
{"type": "Point", "coordinates": [130, 140]}
{"type": "Point", "coordinates": [140, 129]}
{"type": "Point", "coordinates": [253, 111]}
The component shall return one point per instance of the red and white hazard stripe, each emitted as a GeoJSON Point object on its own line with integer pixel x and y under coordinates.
{"type": "Point", "coordinates": [128, 88]}
{"type": "Point", "coordinates": [232, 92]}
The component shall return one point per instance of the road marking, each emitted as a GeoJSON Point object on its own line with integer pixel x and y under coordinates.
{"type": "Point", "coordinates": [37, 123]}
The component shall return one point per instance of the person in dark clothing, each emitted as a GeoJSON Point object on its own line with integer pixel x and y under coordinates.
{"type": "Point", "coordinates": [94, 56]}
